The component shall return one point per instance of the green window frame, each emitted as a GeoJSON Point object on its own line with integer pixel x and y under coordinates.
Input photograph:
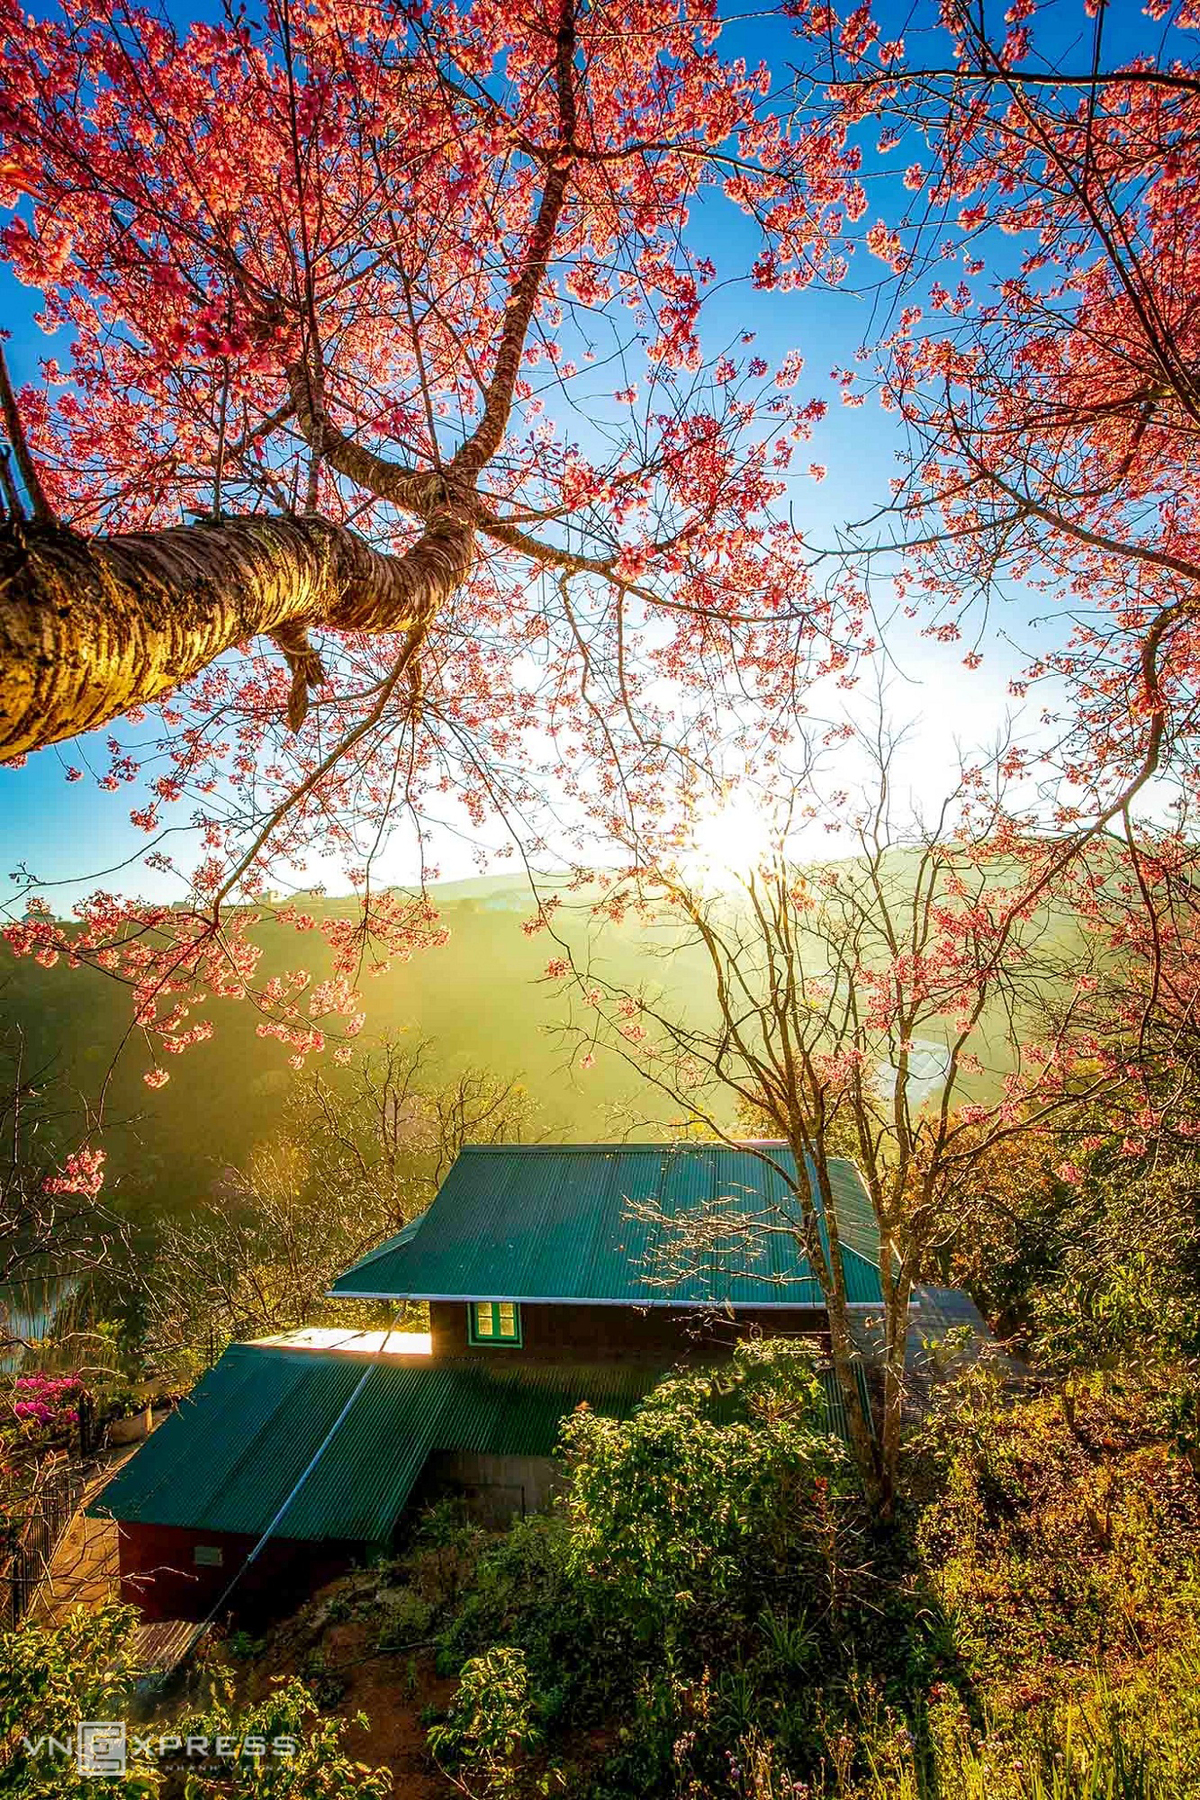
{"type": "Point", "coordinates": [494, 1322]}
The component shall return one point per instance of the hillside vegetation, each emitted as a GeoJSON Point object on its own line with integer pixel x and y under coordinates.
{"type": "Point", "coordinates": [710, 1614]}
{"type": "Point", "coordinates": [480, 997]}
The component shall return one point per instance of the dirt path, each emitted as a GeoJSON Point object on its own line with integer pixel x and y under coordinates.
{"type": "Point", "coordinates": [392, 1690]}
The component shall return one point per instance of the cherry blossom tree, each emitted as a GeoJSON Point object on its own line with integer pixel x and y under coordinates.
{"type": "Point", "coordinates": [920, 1006]}
{"type": "Point", "coordinates": [1022, 182]}
{"type": "Point", "coordinates": [385, 461]}
{"type": "Point", "coordinates": [389, 459]}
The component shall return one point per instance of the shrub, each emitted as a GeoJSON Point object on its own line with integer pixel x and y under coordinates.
{"type": "Point", "coordinates": [708, 1615]}
{"type": "Point", "coordinates": [1063, 1527]}
{"type": "Point", "coordinates": [704, 1566]}
{"type": "Point", "coordinates": [491, 1727]}
{"type": "Point", "coordinates": [720, 1483]}
{"type": "Point", "coordinates": [84, 1670]}
{"type": "Point", "coordinates": [49, 1402]}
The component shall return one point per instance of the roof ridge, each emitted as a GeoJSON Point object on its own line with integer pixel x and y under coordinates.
{"type": "Point", "coordinates": [648, 1147]}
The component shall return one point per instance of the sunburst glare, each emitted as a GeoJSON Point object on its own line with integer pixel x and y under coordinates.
{"type": "Point", "coordinates": [731, 837]}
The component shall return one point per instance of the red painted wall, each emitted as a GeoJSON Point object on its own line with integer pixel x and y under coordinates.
{"type": "Point", "coordinates": [160, 1576]}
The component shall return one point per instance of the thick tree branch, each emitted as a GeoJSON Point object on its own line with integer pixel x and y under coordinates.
{"type": "Point", "coordinates": [89, 629]}
{"type": "Point", "coordinates": [415, 490]}
{"type": "Point", "coordinates": [488, 435]}
{"type": "Point", "coordinates": [11, 416]}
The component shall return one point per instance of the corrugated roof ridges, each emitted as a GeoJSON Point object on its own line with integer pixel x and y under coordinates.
{"type": "Point", "coordinates": [592, 1222]}
{"type": "Point", "coordinates": [230, 1456]}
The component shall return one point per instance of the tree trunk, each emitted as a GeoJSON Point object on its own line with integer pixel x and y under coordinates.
{"type": "Point", "coordinates": [895, 1339]}
{"type": "Point", "coordinates": [92, 627]}
{"type": "Point", "coordinates": [831, 1276]}
{"type": "Point", "coordinates": [843, 1355]}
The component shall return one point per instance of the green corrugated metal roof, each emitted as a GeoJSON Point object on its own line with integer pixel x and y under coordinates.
{"type": "Point", "coordinates": [601, 1222]}
{"type": "Point", "coordinates": [235, 1449]}
{"type": "Point", "coordinates": [229, 1457]}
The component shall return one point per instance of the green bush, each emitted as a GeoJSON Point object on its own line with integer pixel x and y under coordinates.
{"type": "Point", "coordinates": [708, 1615]}
{"type": "Point", "coordinates": [719, 1485]}
{"type": "Point", "coordinates": [703, 1566]}
{"type": "Point", "coordinates": [491, 1727]}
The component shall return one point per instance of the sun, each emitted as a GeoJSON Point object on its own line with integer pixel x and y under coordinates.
{"type": "Point", "coordinates": [731, 837]}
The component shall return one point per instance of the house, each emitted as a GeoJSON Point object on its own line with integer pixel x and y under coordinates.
{"type": "Point", "coordinates": [554, 1274]}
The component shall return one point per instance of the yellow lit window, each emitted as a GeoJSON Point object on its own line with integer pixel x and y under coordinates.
{"type": "Point", "coordinates": [494, 1322]}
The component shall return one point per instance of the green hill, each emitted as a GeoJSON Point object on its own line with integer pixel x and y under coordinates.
{"type": "Point", "coordinates": [481, 997]}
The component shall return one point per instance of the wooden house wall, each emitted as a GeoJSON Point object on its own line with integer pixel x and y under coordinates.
{"type": "Point", "coordinates": [494, 1489]}
{"type": "Point", "coordinates": [594, 1334]}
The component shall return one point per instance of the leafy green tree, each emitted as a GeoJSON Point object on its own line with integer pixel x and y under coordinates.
{"type": "Point", "coordinates": [491, 1726]}
{"type": "Point", "coordinates": [719, 1480]}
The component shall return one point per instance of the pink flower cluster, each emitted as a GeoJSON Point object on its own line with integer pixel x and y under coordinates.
{"type": "Point", "coordinates": [81, 1173]}
{"type": "Point", "coordinates": [45, 1399]}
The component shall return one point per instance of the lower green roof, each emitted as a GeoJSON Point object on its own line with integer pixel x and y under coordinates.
{"type": "Point", "coordinates": [230, 1456]}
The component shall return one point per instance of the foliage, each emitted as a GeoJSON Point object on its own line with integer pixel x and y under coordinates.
{"type": "Point", "coordinates": [357, 1157]}
{"type": "Point", "coordinates": [491, 1726]}
{"type": "Point", "coordinates": [82, 1669]}
{"type": "Point", "coordinates": [1065, 1527]}
{"type": "Point", "coordinates": [703, 1577]}
{"type": "Point", "coordinates": [704, 1614]}
{"type": "Point", "coordinates": [707, 1493]}
{"type": "Point", "coordinates": [1136, 1741]}
{"type": "Point", "coordinates": [1128, 1276]}
{"type": "Point", "coordinates": [1087, 1251]}
{"type": "Point", "coordinates": [277, 1749]}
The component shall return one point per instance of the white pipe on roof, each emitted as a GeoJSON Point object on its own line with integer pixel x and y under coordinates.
{"type": "Point", "coordinates": [273, 1526]}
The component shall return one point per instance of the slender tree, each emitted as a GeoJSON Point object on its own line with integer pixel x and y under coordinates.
{"type": "Point", "coordinates": [355, 1160]}
{"type": "Point", "coordinates": [919, 1006]}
